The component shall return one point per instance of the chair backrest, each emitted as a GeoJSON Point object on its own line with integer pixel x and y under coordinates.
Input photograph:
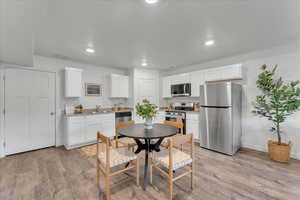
{"type": "Point", "coordinates": [120, 125]}
{"type": "Point", "coordinates": [177, 141]}
{"type": "Point", "coordinates": [103, 140]}
{"type": "Point", "coordinates": [178, 125]}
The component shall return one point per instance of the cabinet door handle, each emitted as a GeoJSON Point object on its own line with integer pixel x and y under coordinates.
{"type": "Point", "coordinates": [52, 113]}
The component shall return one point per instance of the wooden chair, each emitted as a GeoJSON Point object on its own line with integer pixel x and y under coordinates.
{"type": "Point", "coordinates": [173, 159]}
{"type": "Point", "coordinates": [110, 158]}
{"type": "Point", "coordinates": [178, 125]}
{"type": "Point", "coordinates": [124, 142]}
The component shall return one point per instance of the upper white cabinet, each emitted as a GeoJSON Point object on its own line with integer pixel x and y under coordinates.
{"type": "Point", "coordinates": [224, 73]}
{"type": "Point", "coordinates": [73, 82]}
{"type": "Point", "coordinates": [124, 87]}
{"type": "Point", "coordinates": [166, 89]}
{"type": "Point", "coordinates": [197, 79]}
{"type": "Point", "coordinates": [119, 86]}
{"type": "Point", "coordinates": [232, 72]}
{"type": "Point", "coordinates": [180, 78]}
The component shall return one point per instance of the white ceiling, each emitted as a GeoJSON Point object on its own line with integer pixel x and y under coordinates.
{"type": "Point", "coordinates": [171, 33]}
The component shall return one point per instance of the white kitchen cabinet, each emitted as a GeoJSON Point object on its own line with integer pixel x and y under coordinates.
{"type": "Point", "coordinates": [180, 78]}
{"type": "Point", "coordinates": [108, 125]}
{"type": "Point", "coordinates": [92, 125]}
{"type": "Point", "coordinates": [160, 117]}
{"type": "Point", "coordinates": [82, 130]}
{"type": "Point", "coordinates": [232, 72]}
{"type": "Point", "coordinates": [166, 88]}
{"type": "Point", "coordinates": [124, 86]}
{"type": "Point", "coordinates": [73, 82]}
{"type": "Point", "coordinates": [75, 131]}
{"type": "Point", "coordinates": [213, 74]}
{"type": "Point", "coordinates": [119, 86]}
{"type": "Point", "coordinates": [224, 73]}
{"type": "Point", "coordinates": [197, 79]}
{"type": "Point", "coordinates": [192, 125]}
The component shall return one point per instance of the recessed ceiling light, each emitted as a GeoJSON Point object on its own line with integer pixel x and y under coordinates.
{"type": "Point", "coordinates": [151, 1]}
{"type": "Point", "coordinates": [90, 50]}
{"type": "Point", "coordinates": [209, 42]}
{"type": "Point", "coordinates": [144, 64]}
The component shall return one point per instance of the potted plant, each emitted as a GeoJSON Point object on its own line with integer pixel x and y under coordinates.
{"type": "Point", "coordinates": [278, 101]}
{"type": "Point", "coordinates": [147, 111]}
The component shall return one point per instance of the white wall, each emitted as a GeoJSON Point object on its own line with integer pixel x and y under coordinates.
{"type": "Point", "coordinates": [1, 114]}
{"type": "Point", "coordinates": [16, 31]}
{"type": "Point", "coordinates": [256, 130]}
{"type": "Point", "coordinates": [141, 91]}
{"type": "Point", "coordinates": [91, 74]}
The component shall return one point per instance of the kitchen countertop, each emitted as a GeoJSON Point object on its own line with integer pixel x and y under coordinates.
{"type": "Point", "coordinates": [101, 112]}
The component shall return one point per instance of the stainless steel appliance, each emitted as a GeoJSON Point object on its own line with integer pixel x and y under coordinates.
{"type": "Point", "coordinates": [93, 89]}
{"type": "Point", "coordinates": [184, 106]}
{"type": "Point", "coordinates": [123, 116]}
{"type": "Point", "coordinates": [179, 90]}
{"type": "Point", "coordinates": [177, 116]}
{"type": "Point", "coordinates": [220, 116]}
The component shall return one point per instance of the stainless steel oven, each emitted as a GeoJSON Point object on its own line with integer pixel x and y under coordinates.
{"type": "Point", "coordinates": [177, 116]}
{"type": "Point", "coordinates": [179, 90]}
{"type": "Point", "coordinates": [123, 116]}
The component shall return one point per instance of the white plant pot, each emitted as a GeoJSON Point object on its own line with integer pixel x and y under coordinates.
{"type": "Point", "coordinates": [148, 124]}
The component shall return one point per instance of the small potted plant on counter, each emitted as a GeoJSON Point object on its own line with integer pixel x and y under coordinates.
{"type": "Point", "coordinates": [147, 111]}
{"type": "Point", "coordinates": [278, 101]}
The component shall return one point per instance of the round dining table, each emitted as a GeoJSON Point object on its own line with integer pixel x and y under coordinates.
{"type": "Point", "coordinates": [143, 138]}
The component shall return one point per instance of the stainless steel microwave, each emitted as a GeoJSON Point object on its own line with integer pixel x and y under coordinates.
{"type": "Point", "coordinates": [93, 89]}
{"type": "Point", "coordinates": [180, 90]}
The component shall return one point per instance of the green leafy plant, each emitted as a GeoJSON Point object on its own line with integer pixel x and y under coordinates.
{"type": "Point", "coordinates": [146, 110]}
{"type": "Point", "coordinates": [278, 99]}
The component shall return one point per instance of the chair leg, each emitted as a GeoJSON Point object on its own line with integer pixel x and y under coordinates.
{"type": "Point", "coordinates": [192, 176]}
{"type": "Point", "coordinates": [98, 173]}
{"type": "Point", "coordinates": [151, 169]}
{"type": "Point", "coordinates": [107, 187]}
{"type": "Point", "coordinates": [137, 172]}
{"type": "Point", "coordinates": [170, 188]}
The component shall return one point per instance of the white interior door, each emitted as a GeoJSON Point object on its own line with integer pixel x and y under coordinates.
{"type": "Point", "coordinates": [29, 110]}
{"type": "Point", "coordinates": [146, 90]}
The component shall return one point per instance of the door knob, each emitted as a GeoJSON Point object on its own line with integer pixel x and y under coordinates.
{"type": "Point", "coordinates": [52, 113]}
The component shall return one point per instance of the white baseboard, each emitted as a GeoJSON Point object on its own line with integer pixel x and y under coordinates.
{"type": "Point", "coordinates": [264, 149]}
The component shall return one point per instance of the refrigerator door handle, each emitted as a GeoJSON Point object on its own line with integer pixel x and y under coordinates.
{"type": "Point", "coordinates": [207, 128]}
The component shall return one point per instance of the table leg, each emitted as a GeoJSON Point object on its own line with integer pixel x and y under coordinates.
{"type": "Point", "coordinates": [140, 146]}
{"type": "Point", "coordinates": [147, 149]}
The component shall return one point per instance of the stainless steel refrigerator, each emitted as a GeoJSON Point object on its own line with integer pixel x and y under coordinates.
{"type": "Point", "coordinates": [220, 116]}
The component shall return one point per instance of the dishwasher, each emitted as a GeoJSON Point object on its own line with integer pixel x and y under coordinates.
{"type": "Point", "coordinates": [123, 116]}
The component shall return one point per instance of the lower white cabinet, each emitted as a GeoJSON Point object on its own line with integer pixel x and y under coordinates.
{"type": "Point", "coordinates": [82, 130]}
{"type": "Point", "coordinates": [160, 117]}
{"type": "Point", "coordinates": [75, 131]}
{"type": "Point", "coordinates": [192, 125]}
{"type": "Point", "coordinates": [92, 125]}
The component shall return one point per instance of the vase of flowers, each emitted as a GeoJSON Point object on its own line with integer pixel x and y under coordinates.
{"type": "Point", "coordinates": [147, 111]}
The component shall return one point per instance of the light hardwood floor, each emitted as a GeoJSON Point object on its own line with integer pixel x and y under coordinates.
{"type": "Point", "coordinates": [55, 173]}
